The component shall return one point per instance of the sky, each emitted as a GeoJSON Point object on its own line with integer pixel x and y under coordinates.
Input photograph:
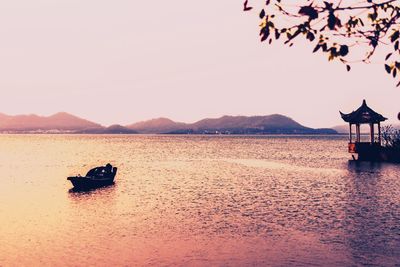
{"type": "Point", "coordinates": [124, 61]}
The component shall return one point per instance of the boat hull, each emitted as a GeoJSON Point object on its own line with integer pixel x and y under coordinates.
{"type": "Point", "coordinates": [89, 183]}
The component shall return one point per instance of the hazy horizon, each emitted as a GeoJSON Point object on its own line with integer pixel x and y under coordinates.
{"type": "Point", "coordinates": [186, 122]}
{"type": "Point", "coordinates": [123, 62]}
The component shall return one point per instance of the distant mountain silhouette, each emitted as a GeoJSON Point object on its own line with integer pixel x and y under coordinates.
{"type": "Point", "coordinates": [66, 123]}
{"type": "Point", "coordinates": [159, 125]}
{"type": "Point", "coordinates": [271, 124]}
{"type": "Point", "coordinates": [60, 121]}
{"type": "Point", "coordinates": [274, 121]}
{"type": "Point", "coordinates": [341, 129]}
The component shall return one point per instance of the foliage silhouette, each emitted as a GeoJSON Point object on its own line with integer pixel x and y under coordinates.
{"type": "Point", "coordinates": [391, 137]}
{"type": "Point", "coordinates": [335, 27]}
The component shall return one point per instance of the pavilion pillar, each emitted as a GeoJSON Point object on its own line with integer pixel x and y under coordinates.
{"type": "Point", "coordinates": [351, 134]}
{"type": "Point", "coordinates": [379, 133]}
{"type": "Point", "coordinates": [371, 126]}
{"type": "Point", "coordinates": [358, 133]}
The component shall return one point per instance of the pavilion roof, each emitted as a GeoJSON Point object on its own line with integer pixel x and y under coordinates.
{"type": "Point", "coordinates": [363, 114]}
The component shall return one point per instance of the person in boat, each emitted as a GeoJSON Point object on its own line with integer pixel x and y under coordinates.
{"type": "Point", "coordinates": [108, 169]}
{"type": "Point", "coordinates": [102, 171]}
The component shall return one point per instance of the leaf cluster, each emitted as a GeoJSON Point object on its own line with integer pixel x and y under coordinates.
{"type": "Point", "coordinates": [390, 137]}
{"type": "Point", "coordinates": [336, 28]}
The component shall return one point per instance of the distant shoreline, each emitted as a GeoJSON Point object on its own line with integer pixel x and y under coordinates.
{"type": "Point", "coordinates": [64, 123]}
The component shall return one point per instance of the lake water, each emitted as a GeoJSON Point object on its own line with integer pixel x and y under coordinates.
{"type": "Point", "coordinates": [196, 200]}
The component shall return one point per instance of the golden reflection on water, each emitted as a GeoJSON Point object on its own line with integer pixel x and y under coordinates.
{"type": "Point", "coordinates": [196, 200]}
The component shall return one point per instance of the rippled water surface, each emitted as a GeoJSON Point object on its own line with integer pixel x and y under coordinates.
{"type": "Point", "coordinates": [196, 200]}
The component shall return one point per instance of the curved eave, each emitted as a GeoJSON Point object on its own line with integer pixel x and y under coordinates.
{"type": "Point", "coordinates": [344, 116]}
{"type": "Point", "coordinates": [363, 115]}
{"type": "Point", "coordinates": [349, 118]}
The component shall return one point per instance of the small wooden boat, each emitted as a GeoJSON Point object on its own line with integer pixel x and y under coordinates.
{"type": "Point", "coordinates": [97, 177]}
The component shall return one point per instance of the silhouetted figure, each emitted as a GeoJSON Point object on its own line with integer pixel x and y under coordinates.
{"type": "Point", "coordinates": [102, 171]}
{"type": "Point", "coordinates": [108, 169]}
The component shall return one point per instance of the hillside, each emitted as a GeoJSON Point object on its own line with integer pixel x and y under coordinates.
{"type": "Point", "coordinates": [60, 121]}
{"type": "Point", "coordinates": [271, 124]}
{"type": "Point", "coordinates": [159, 125]}
{"type": "Point", "coordinates": [66, 123]}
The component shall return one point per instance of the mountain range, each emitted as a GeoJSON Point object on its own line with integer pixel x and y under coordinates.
{"type": "Point", "coordinates": [60, 121]}
{"type": "Point", "coordinates": [271, 124]}
{"type": "Point", "coordinates": [63, 122]}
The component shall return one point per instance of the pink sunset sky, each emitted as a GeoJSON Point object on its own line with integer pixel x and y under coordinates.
{"type": "Point", "coordinates": [124, 61]}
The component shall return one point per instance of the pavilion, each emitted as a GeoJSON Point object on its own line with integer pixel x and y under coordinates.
{"type": "Point", "coordinates": [364, 115]}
